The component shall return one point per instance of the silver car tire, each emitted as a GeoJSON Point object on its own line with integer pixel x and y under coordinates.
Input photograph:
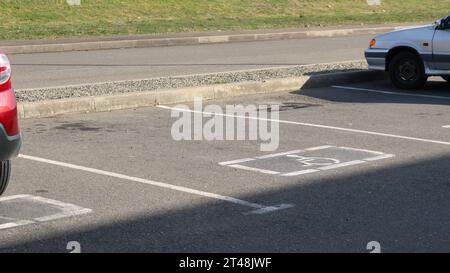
{"type": "Point", "coordinates": [407, 71]}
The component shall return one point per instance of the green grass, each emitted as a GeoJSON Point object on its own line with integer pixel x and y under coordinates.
{"type": "Point", "coordinates": [30, 19]}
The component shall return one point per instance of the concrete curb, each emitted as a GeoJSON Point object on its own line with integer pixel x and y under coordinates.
{"type": "Point", "coordinates": [52, 108]}
{"type": "Point", "coordinates": [153, 42]}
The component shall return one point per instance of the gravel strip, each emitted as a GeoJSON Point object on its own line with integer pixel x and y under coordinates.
{"type": "Point", "coordinates": [121, 87]}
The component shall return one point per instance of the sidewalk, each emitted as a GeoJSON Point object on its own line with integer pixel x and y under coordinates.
{"type": "Point", "coordinates": [192, 38]}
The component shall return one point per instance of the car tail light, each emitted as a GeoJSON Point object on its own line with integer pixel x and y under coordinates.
{"type": "Point", "coordinates": [8, 113]}
{"type": "Point", "coordinates": [5, 73]}
{"type": "Point", "coordinates": [8, 106]}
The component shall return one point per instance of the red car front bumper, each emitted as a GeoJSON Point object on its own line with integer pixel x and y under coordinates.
{"type": "Point", "coordinates": [10, 140]}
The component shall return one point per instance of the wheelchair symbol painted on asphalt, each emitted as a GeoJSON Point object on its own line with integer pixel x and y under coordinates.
{"type": "Point", "coordinates": [314, 161]}
{"type": "Point", "coordinates": [306, 161]}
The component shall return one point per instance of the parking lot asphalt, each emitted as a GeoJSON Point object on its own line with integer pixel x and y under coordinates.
{"type": "Point", "coordinates": [142, 191]}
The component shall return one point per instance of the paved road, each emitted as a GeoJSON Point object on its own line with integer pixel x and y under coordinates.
{"type": "Point", "coordinates": [56, 69]}
{"type": "Point", "coordinates": [150, 193]}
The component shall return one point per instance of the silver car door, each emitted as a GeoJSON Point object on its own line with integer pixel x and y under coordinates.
{"type": "Point", "coordinates": [441, 48]}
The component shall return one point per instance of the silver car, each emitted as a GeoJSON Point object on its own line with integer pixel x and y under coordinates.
{"type": "Point", "coordinates": [412, 55]}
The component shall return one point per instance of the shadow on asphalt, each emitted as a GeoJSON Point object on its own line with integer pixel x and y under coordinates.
{"type": "Point", "coordinates": [404, 207]}
{"type": "Point", "coordinates": [432, 88]}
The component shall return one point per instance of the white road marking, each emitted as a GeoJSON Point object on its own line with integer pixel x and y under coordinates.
{"type": "Point", "coordinates": [66, 210]}
{"type": "Point", "coordinates": [253, 169]}
{"type": "Point", "coordinates": [380, 157]}
{"type": "Point", "coordinates": [275, 155]}
{"type": "Point", "coordinates": [11, 197]}
{"type": "Point", "coordinates": [318, 148]}
{"type": "Point", "coordinates": [313, 125]}
{"type": "Point", "coordinates": [300, 172]}
{"type": "Point", "coordinates": [258, 207]}
{"type": "Point", "coordinates": [236, 161]}
{"type": "Point", "coordinates": [269, 209]}
{"type": "Point", "coordinates": [15, 224]}
{"type": "Point", "coordinates": [361, 150]}
{"type": "Point", "coordinates": [391, 92]}
{"type": "Point", "coordinates": [340, 165]}
{"type": "Point", "coordinates": [446, 126]}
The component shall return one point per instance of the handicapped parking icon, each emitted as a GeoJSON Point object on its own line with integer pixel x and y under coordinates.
{"type": "Point", "coordinates": [314, 161]}
{"type": "Point", "coordinates": [307, 161]}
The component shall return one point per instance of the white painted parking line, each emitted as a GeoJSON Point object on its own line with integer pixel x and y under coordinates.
{"type": "Point", "coordinates": [45, 210]}
{"type": "Point", "coordinates": [300, 172]}
{"type": "Point", "coordinates": [306, 161]}
{"type": "Point", "coordinates": [363, 150]}
{"type": "Point", "coordinates": [340, 165]}
{"type": "Point", "coordinates": [258, 208]}
{"type": "Point", "coordinates": [269, 209]}
{"type": "Point", "coordinates": [313, 125]}
{"type": "Point", "coordinates": [318, 148]}
{"type": "Point", "coordinates": [391, 92]}
{"type": "Point", "coordinates": [274, 155]}
{"type": "Point", "coordinates": [380, 157]}
{"type": "Point", "coordinates": [237, 161]}
{"type": "Point", "coordinates": [17, 223]}
{"type": "Point", "coordinates": [446, 126]}
{"type": "Point", "coordinates": [250, 169]}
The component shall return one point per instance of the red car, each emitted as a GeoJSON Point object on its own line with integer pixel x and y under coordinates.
{"type": "Point", "coordinates": [10, 139]}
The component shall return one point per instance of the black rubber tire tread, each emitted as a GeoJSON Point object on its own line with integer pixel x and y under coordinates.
{"type": "Point", "coordinates": [421, 77]}
{"type": "Point", "coordinates": [5, 172]}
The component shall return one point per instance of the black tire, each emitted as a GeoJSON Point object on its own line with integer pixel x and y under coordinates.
{"type": "Point", "coordinates": [407, 71]}
{"type": "Point", "coordinates": [447, 78]}
{"type": "Point", "coordinates": [5, 170]}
